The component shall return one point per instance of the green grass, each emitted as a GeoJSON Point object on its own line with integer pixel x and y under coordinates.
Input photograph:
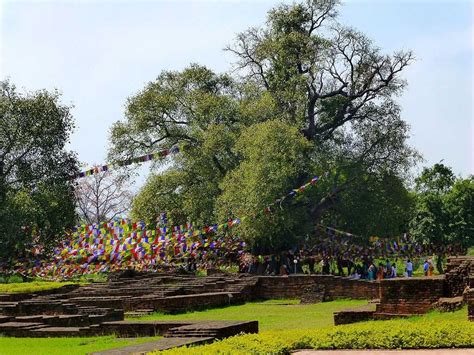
{"type": "Point", "coordinates": [271, 315]}
{"type": "Point", "coordinates": [434, 330]}
{"type": "Point", "coordinates": [34, 286]}
{"type": "Point", "coordinates": [60, 346]}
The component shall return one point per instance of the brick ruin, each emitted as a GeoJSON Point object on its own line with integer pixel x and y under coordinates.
{"type": "Point", "coordinates": [403, 297]}
{"type": "Point", "coordinates": [100, 308]}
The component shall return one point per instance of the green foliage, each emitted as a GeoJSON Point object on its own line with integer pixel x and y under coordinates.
{"type": "Point", "coordinates": [393, 334]}
{"type": "Point", "coordinates": [459, 204]}
{"type": "Point", "coordinates": [375, 206]}
{"type": "Point", "coordinates": [444, 208]}
{"type": "Point", "coordinates": [273, 161]}
{"type": "Point", "coordinates": [36, 193]}
{"type": "Point", "coordinates": [160, 193]}
{"type": "Point", "coordinates": [176, 107]}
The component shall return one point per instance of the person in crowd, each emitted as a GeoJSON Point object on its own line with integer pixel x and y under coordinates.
{"type": "Point", "coordinates": [272, 270]}
{"type": "Point", "coordinates": [311, 262]}
{"type": "Point", "coordinates": [261, 265]}
{"type": "Point", "coordinates": [380, 272]}
{"type": "Point", "coordinates": [394, 271]}
{"type": "Point", "coordinates": [430, 268]}
{"type": "Point", "coordinates": [339, 262]}
{"type": "Point", "coordinates": [388, 269]}
{"type": "Point", "coordinates": [283, 270]}
{"type": "Point", "coordinates": [326, 268]}
{"type": "Point", "coordinates": [409, 268]}
{"type": "Point", "coordinates": [365, 269]}
{"type": "Point", "coordinates": [268, 266]}
{"type": "Point", "coordinates": [284, 261]}
{"type": "Point", "coordinates": [426, 266]}
{"type": "Point", "coordinates": [371, 272]}
{"type": "Point", "coordinates": [277, 264]}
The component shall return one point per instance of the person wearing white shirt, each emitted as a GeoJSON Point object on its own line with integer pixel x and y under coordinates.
{"type": "Point", "coordinates": [409, 268]}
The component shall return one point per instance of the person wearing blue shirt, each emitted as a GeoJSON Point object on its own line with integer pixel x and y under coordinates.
{"type": "Point", "coordinates": [426, 267]}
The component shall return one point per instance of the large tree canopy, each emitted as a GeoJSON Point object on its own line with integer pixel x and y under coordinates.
{"type": "Point", "coordinates": [302, 74]}
{"type": "Point", "coordinates": [36, 191]}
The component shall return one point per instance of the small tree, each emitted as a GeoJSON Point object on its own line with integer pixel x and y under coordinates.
{"type": "Point", "coordinates": [102, 197]}
{"type": "Point", "coordinates": [444, 209]}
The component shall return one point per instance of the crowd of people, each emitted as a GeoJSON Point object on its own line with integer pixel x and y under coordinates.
{"type": "Point", "coordinates": [366, 267]}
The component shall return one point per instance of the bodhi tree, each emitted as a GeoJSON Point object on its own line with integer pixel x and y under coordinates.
{"type": "Point", "coordinates": [36, 191]}
{"type": "Point", "coordinates": [302, 73]}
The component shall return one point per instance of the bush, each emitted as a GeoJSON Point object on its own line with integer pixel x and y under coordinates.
{"type": "Point", "coordinates": [393, 334]}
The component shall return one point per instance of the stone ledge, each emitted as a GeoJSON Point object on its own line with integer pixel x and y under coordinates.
{"type": "Point", "coordinates": [354, 315]}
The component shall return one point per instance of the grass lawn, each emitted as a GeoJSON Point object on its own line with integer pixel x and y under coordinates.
{"type": "Point", "coordinates": [34, 286]}
{"type": "Point", "coordinates": [271, 315]}
{"type": "Point", "coordinates": [60, 346]}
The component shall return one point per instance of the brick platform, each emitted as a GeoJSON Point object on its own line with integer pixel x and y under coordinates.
{"type": "Point", "coordinates": [353, 315]}
{"type": "Point", "coordinates": [408, 296]}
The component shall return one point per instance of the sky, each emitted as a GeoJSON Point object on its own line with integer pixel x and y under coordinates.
{"type": "Point", "coordinates": [99, 53]}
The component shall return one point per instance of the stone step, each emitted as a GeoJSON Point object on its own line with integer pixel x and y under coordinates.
{"type": "Point", "coordinates": [29, 319]}
{"type": "Point", "coordinates": [191, 334]}
{"type": "Point", "coordinates": [136, 314]}
{"type": "Point", "coordinates": [4, 319]}
{"type": "Point", "coordinates": [59, 331]}
{"type": "Point", "coordinates": [7, 326]}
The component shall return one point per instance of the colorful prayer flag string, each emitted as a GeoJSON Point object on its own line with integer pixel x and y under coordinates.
{"type": "Point", "coordinates": [144, 158]}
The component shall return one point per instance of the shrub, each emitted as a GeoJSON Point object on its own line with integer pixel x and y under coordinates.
{"type": "Point", "coordinates": [393, 334]}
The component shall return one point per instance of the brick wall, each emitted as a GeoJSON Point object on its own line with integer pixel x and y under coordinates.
{"type": "Point", "coordinates": [415, 295]}
{"type": "Point", "coordinates": [458, 272]}
{"type": "Point", "coordinates": [183, 303]}
{"type": "Point", "coordinates": [269, 287]}
{"type": "Point", "coordinates": [469, 297]}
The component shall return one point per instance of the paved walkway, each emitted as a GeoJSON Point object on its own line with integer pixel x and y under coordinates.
{"type": "Point", "coordinates": [388, 352]}
{"type": "Point", "coordinates": [161, 344]}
